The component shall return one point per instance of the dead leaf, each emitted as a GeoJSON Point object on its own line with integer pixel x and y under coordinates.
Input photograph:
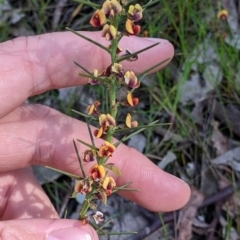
{"type": "Point", "coordinates": [218, 139]}
{"type": "Point", "coordinates": [187, 215]}
{"type": "Point", "coordinates": [231, 158]}
{"type": "Point", "coordinates": [167, 159]}
{"type": "Point", "coordinates": [228, 115]}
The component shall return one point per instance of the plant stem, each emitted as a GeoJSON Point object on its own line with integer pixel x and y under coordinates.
{"type": "Point", "coordinates": [85, 206]}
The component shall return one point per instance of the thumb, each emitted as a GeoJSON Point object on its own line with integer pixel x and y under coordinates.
{"type": "Point", "coordinates": [49, 229]}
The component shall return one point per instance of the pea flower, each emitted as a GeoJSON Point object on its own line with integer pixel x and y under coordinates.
{"type": "Point", "coordinates": [106, 120]}
{"type": "Point", "coordinates": [222, 14]}
{"type": "Point", "coordinates": [131, 28]}
{"type": "Point", "coordinates": [131, 79]}
{"type": "Point", "coordinates": [98, 217]}
{"type": "Point", "coordinates": [106, 150]}
{"type": "Point", "coordinates": [111, 7]}
{"type": "Point", "coordinates": [88, 155]}
{"type": "Point", "coordinates": [131, 101]}
{"type": "Point", "coordinates": [83, 186]}
{"type": "Point", "coordinates": [97, 172]}
{"type": "Point", "coordinates": [129, 122]}
{"type": "Point", "coordinates": [135, 12]}
{"type": "Point", "coordinates": [117, 68]}
{"type": "Point", "coordinates": [98, 19]}
{"type": "Point", "coordinates": [92, 109]}
{"type": "Point", "coordinates": [109, 184]}
{"type": "Point", "coordinates": [94, 81]}
{"type": "Point", "coordinates": [109, 32]}
{"type": "Point", "coordinates": [98, 132]}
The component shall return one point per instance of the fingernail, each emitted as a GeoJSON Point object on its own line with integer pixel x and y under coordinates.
{"type": "Point", "coordinates": [69, 233]}
{"type": "Point", "coordinates": [180, 180]}
{"type": "Point", "coordinates": [158, 40]}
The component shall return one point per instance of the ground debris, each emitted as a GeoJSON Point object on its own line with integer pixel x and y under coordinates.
{"type": "Point", "coordinates": [187, 215]}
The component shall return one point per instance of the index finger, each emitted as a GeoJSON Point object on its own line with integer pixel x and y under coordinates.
{"type": "Point", "coordinates": [32, 65]}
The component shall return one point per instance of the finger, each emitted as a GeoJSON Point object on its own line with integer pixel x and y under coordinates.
{"type": "Point", "coordinates": [49, 229]}
{"type": "Point", "coordinates": [22, 197]}
{"type": "Point", "coordinates": [32, 65]}
{"type": "Point", "coordinates": [40, 135]}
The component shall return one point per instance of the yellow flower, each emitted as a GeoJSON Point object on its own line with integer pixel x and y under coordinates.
{"type": "Point", "coordinates": [88, 155]}
{"type": "Point", "coordinates": [131, 28]}
{"type": "Point", "coordinates": [106, 120]}
{"type": "Point", "coordinates": [109, 32]}
{"type": "Point", "coordinates": [94, 81]}
{"type": "Point", "coordinates": [131, 101]}
{"type": "Point", "coordinates": [97, 172]}
{"type": "Point", "coordinates": [98, 132]}
{"type": "Point", "coordinates": [129, 122]}
{"type": "Point", "coordinates": [222, 14]}
{"type": "Point", "coordinates": [117, 68]}
{"type": "Point", "coordinates": [135, 12]}
{"type": "Point", "coordinates": [108, 185]}
{"type": "Point", "coordinates": [83, 186]}
{"type": "Point", "coordinates": [92, 109]}
{"type": "Point", "coordinates": [131, 79]}
{"type": "Point", "coordinates": [98, 19]}
{"type": "Point", "coordinates": [106, 150]}
{"type": "Point", "coordinates": [111, 7]}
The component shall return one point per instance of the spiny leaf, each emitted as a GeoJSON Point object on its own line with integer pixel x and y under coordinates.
{"type": "Point", "coordinates": [65, 173]}
{"type": "Point", "coordinates": [118, 233]}
{"type": "Point", "coordinates": [144, 73]}
{"type": "Point", "coordinates": [127, 56]}
{"type": "Point", "coordinates": [150, 3]}
{"type": "Point", "coordinates": [84, 115]}
{"type": "Point", "coordinates": [89, 40]}
{"type": "Point", "coordinates": [139, 127]}
{"type": "Point", "coordinates": [79, 159]}
{"type": "Point", "coordinates": [88, 3]}
{"type": "Point", "coordinates": [87, 144]}
{"type": "Point", "coordinates": [134, 133]}
{"type": "Point", "coordinates": [83, 68]}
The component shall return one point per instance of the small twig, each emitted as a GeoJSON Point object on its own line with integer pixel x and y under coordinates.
{"type": "Point", "coordinates": [214, 223]}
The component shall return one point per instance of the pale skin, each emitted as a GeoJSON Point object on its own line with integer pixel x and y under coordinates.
{"type": "Point", "coordinates": [35, 134]}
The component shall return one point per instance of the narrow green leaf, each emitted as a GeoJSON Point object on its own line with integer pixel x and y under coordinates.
{"type": "Point", "coordinates": [79, 159]}
{"type": "Point", "coordinates": [134, 133]}
{"type": "Point", "coordinates": [87, 144]}
{"type": "Point", "coordinates": [144, 73]}
{"type": "Point", "coordinates": [83, 115]}
{"type": "Point", "coordinates": [113, 168]}
{"type": "Point", "coordinates": [91, 136]}
{"type": "Point", "coordinates": [65, 173]}
{"type": "Point", "coordinates": [116, 171]}
{"type": "Point", "coordinates": [101, 79]}
{"type": "Point", "coordinates": [74, 194]}
{"type": "Point", "coordinates": [127, 56]}
{"type": "Point", "coordinates": [125, 185]}
{"type": "Point", "coordinates": [104, 198]}
{"type": "Point", "coordinates": [88, 3]}
{"type": "Point", "coordinates": [142, 126]}
{"type": "Point", "coordinates": [98, 229]}
{"type": "Point", "coordinates": [89, 40]}
{"type": "Point", "coordinates": [105, 224]}
{"type": "Point", "coordinates": [65, 213]}
{"type": "Point", "coordinates": [150, 3]}
{"type": "Point", "coordinates": [83, 68]}
{"type": "Point", "coordinates": [118, 233]}
{"type": "Point", "coordinates": [126, 189]}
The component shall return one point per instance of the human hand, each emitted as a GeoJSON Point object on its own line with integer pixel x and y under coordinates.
{"type": "Point", "coordinates": [34, 134]}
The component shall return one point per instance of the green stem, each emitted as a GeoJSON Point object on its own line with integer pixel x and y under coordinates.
{"type": "Point", "coordinates": [113, 85]}
{"type": "Point", "coordinates": [85, 206]}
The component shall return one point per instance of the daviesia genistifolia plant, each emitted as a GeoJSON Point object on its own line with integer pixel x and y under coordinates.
{"type": "Point", "coordinates": [115, 19]}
